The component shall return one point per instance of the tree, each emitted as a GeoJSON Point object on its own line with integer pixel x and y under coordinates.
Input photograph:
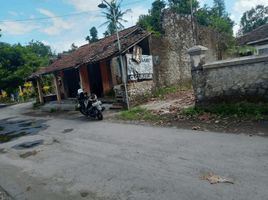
{"type": "Point", "coordinates": [183, 6]}
{"type": "Point", "coordinates": [93, 35]}
{"type": "Point", "coordinates": [19, 62]}
{"type": "Point", "coordinates": [152, 21]}
{"type": "Point", "coordinates": [219, 8]}
{"type": "Point", "coordinates": [0, 32]}
{"type": "Point", "coordinates": [114, 16]}
{"type": "Point", "coordinates": [253, 19]}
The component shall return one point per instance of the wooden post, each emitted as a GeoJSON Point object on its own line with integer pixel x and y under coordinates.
{"type": "Point", "coordinates": [81, 78]}
{"type": "Point", "coordinates": [40, 93]}
{"type": "Point", "coordinates": [57, 88]}
{"type": "Point", "coordinates": [63, 88]}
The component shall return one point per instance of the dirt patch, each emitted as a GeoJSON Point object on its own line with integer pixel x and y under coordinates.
{"type": "Point", "coordinates": [169, 112]}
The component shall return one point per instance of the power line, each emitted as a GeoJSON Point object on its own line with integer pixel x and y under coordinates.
{"type": "Point", "coordinates": [62, 16]}
{"type": "Point", "coordinates": [45, 18]}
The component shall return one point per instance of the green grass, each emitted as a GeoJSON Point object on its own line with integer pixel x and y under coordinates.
{"type": "Point", "coordinates": [162, 92]}
{"type": "Point", "coordinates": [138, 113]}
{"type": "Point", "coordinates": [241, 109]}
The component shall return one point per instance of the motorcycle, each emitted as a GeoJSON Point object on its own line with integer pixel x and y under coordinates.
{"type": "Point", "coordinates": [90, 106]}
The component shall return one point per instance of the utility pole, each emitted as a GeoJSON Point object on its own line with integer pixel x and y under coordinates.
{"type": "Point", "coordinates": [122, 66]}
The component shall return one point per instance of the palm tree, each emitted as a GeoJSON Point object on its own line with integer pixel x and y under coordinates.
{"type": "Point", "coordinates": [114, 16]}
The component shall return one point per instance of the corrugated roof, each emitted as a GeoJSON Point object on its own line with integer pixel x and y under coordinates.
{"type": "Point", "coordinates": [259, 34]}
{"type": "Point", "coordinates": [100, 50]}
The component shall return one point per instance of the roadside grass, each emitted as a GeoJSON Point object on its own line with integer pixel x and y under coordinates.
{"type": "Point", "coordinates": [162, 92]}
{"type": "Point", "coordinates": [138, 113]}
{"type": "Point", "coordinates": [249, 110]}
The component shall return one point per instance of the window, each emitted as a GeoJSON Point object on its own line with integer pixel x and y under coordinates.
{"type": "Point", "coordinates": [263, 51]}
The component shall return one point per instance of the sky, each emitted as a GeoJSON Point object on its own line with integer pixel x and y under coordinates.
{"type": "Point", "coordinates": [23, 20]}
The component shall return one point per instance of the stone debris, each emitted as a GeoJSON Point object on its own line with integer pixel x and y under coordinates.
{"type": "Point", "coordinates": [196, 128]}
{"type": "Point", "coordinates": [215, 179]}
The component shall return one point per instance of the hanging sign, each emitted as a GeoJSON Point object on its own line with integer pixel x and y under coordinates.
{"type": "Point", "coordinates": [142, 70]}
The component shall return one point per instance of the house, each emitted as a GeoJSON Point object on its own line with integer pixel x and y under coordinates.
{"type": "Point", "coordinates": [257, 38]}
{"type": "Point", "coordinates": [95, 67]}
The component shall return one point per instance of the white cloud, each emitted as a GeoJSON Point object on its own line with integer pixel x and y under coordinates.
{"type": "Point", "coordinates": [17, 28]}
{"type": "Point", "coordinates": [133, 16]}
{"type": "Point", "coordinates": [58, 25]}
{"type": "Point", "coordinates": [82, 5]}
{"type": "Point", "coordinates": [241, 6]}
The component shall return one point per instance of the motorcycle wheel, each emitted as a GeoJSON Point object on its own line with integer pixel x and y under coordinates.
{"type": "Point", "coordinates": [99, 116]}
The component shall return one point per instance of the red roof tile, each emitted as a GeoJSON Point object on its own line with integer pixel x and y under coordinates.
{"type": "Point", "coordinates": [90, 53]}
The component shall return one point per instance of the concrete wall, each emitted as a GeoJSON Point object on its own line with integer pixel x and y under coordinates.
{"type": "Point", "coordinates": [243, 78]}
{"type": "Point", "coordinates": [172, 62]}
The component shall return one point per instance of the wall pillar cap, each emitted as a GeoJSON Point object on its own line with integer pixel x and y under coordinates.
{"type": "Point", "coordinates": [197, 50]}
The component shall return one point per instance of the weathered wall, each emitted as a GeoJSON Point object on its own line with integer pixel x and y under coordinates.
{"type": "Point", "coordinates": [230, 80]}
{"type": "Point", "coordinates": [139, 89]}
{"type": "Point", "coordinates": [172, 62]}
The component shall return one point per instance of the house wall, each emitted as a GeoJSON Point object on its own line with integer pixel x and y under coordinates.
{"type": "Point", "coordinates": [171, 60]}
{"type": "Point", "coordinates": [243, 78]}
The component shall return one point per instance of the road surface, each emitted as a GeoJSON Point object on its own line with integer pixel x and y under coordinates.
{"type": "Point", "coordinates": [81, 159]}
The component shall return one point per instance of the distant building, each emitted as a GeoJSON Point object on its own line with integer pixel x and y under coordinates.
{"type": "Point", "coordinates": [257, 38]}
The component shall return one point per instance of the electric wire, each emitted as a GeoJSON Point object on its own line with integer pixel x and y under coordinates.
{"type": "Point", "coordinates": [65, 15]}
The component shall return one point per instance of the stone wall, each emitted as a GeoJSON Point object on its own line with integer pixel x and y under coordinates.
{"type": "Point", "coordinates": [138, 90]}
{"type": "Point", "coordinates": [171, 60]}
{"type": "Point", "coordinates": [237, 79]}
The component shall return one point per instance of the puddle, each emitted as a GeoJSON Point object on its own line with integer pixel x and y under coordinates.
{"type": "Point", "coordinates": [27, 145]}
{"type": "Point", "coordinates": [67, 130]}
{"type": "Point", "coordinates": [12, 129]}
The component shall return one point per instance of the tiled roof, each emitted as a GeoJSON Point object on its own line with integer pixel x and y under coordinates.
{"type": "Point", "coordinates": [101, 50]}
{"type": "Point", "coordinates": [259, 34]}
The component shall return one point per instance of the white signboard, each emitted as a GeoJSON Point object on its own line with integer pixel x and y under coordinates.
{"type": "Point", "coordinates": [140, 71]}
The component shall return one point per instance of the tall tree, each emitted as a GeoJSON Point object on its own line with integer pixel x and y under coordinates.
{"type": "Point", "coordinates": [152, 21]}
{"type": "Point", "coordinates": [219, 8]}
{"type": "Point", "coordinates": [253, 19]}
{"type": "Point", "coordinates": [184, 6]}
{"type": "Point", "coordinates": [17, 62]}
{"type": "Point", "coordinates": [93, 37]}
{"type": "Point", "coordinates": [114, 16]}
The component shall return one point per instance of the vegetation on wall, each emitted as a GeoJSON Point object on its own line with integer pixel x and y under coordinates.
{"type": "Point", "coordinates": [215, 17]}
{"type": "Point", "coordinates": [152, 21]}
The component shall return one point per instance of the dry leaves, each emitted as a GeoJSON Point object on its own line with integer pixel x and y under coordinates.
{"type": "Point", "coordinates": [214, 179]}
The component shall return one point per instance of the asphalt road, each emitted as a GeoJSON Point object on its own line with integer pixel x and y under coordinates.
{"type": "Point", "coordinates": [83, 159]}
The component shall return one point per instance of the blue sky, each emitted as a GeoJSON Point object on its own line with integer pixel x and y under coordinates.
{"type": "Point", "coordinates": [61, 32]}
